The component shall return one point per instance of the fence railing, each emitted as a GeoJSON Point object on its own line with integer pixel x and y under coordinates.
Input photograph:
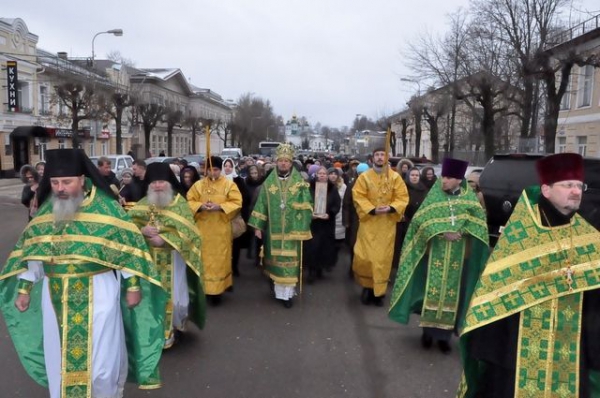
{"type": "Point", "coordinates": [575, 31]}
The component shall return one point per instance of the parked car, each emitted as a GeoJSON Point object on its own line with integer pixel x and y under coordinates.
{"type": "Point", "coordinates": [505, 176]}
{"type": "Point", "coordinates": [160, 159]}
{"type": "Point", "coordinates": [194, 158]}
{"type": "Point", "coordinates": [117, 163]}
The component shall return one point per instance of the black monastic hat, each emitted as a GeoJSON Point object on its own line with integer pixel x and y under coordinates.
{"type": "Point", "coordinates": [70, 162]}
{"type": "Point", "coordinates": [161, 172]}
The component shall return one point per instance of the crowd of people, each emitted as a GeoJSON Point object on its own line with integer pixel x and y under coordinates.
{"type": "Point", "coordinates": [166, 240]}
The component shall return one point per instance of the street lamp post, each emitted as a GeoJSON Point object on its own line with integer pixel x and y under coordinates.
{"type": "Point", "coordinates": [116, 32]}
{"type": "Point", "coordinates": [405, 79]}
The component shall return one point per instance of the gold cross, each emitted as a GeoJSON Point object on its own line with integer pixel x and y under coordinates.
{"type": "Point", "coordinates": [569, 274]}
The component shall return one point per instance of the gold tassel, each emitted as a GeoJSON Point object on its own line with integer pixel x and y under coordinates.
{"type": "Point", "coordinates": [208, 160]}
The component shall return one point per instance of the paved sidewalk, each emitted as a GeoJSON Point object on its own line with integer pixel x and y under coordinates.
{"type": "Point", "coordinates": [10, 188]}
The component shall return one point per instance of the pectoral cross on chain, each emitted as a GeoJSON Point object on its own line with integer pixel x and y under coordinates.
{"type": "Point", "coordinates": [452, 219]}
{"type": "Point", "coordinates": [569, 276]}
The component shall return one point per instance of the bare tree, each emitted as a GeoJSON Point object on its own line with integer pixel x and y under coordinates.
{"type": "Point", "coordinates": [82, 103]}
{"type": "Point", "coordinates": [114, 107]}
{"type": "Point", "coordinates": [416, 106]}
{"type": "Point", "coordinates": [554, 94]}
{"type": "Point", "coordinates": [252, 118]}
{"type": "Point", "coordinates": [150, 115]}
{"type": "Point", "coordinates": [194, 123]}
{"type": "Point", "coordinates": [432, 112]}
{"type": "Point", "coordinates": [172, 117]}
{"type": "Point", "coordinates": [529, 27]}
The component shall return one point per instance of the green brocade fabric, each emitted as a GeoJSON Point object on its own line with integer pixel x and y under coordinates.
{"type": "Point", "coordinates": [433, 287]}
{"type": "Point", "coordinates": [527, 274]}
{"type": "Point", "coordinates": [100, 238]}
{"type": "Point", "coordinates": [179, 230]}
{"type": "Point", "coordinates": [284, 211]}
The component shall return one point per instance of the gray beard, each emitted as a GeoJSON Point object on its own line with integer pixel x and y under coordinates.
{"type": "Point", "coordinates": [65, 209]}
{"type": "Point", "coordinates": [160, 199]}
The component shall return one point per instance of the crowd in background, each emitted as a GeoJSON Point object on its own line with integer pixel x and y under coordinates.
{"type": "Point", "coordinates": [330, 235]}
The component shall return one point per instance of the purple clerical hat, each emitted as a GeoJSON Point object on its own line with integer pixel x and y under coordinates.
{"type": "Point", "coordinates": [454, 168]}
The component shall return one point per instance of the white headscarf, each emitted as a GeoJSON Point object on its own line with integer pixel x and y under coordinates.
{"type": "Point", "coordinates": [233, 173]}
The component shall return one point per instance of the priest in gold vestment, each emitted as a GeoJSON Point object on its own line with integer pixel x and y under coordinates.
{"type": "Point", "coordinates": [215, 201]}
{"type": "Point", "coordinates": [380, 197]}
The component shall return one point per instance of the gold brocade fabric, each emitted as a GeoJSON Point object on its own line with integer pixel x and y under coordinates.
{"type": "Point", "coordinates": [374, 246]}
{"type": "Point", "coordinates": [215, 229]}
{"type": "Point", "coordinates": [527, 274]}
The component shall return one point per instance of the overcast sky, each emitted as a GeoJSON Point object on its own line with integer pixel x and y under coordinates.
{"type": "Point", "coordinates": [328, 60]}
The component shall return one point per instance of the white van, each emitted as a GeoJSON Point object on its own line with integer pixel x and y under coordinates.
{"type": "Point", "coordinates": [117, 163]}
{"type": "Point", "coordinates": [232, 153]}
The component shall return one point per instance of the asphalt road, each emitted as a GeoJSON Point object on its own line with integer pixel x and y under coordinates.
{"type": "Point", "coordinates": [327, 345]}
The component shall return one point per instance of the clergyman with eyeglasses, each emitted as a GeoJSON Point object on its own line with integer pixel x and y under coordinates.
{"type": "Point", "coordinates": [532, 325]}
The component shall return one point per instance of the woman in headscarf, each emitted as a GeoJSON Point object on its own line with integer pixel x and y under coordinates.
{"type": "Point", "coordinates": [428, 177]}
{"type": "Point", "coordinates": [403, 166]}
{"type": "Point", "coordinates": [254, 182]}
{"type": "Point", "coordinates": [30, 178]}
{"type": "Point", "coordinates": [127, 193]}
{"type": "Point", "coordinates": [335, 176]}
{"type": "Point", "coordinates": [417, 192]}
{"type": "Point", "coordinates": [319, 252]}
{"type": "Point", "coordinates": [242, 241]}
{"type": "Point", "coordinates": [188, 176]}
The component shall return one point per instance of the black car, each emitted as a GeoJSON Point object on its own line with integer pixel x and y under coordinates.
{"type": "Point", "coordinates": [505, 176]}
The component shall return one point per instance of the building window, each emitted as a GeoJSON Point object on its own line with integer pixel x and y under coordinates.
{"type": "Point", "coordinates": [61, 143]}
{"type": "Point", "coordinates": [44, 101]}
{"type": "Point", "coordinates": [104, 148]}
{"type": "Point", "coordinates": [23, 97]}
{"type": "Point", "coordinates": [562, 145]}
{"type": "Point", "coordinates": [585, 86]}
{"type": "Point", "coordinates": [565, 102]}
{"type": "Point", "coordinates": [582, 145]}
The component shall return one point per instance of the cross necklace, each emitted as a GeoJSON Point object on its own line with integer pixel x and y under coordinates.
{"type": "Point", "coordinates": [452, 215]}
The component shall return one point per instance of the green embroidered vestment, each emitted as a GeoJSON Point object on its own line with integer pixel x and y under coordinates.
{"type": "Point", "coordinates": [283, 210]}
{"type": "Point", "coordinates": [433, 287]}
{"type": "Point", "coordinates": [527, 275]}
{"type": "Point", "coordinates": [178, 228]}
{"type": "Point", "coordinates": [100, 238]}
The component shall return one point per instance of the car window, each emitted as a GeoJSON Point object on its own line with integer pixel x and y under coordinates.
{"type": "Point", "coordinates": [129, 162]}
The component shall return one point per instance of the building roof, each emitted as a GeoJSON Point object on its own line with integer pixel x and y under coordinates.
{"type": "Point", "coordinates": [53, 62]}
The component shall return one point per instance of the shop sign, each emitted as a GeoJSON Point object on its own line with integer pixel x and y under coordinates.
{"type": "Point", "coordinates": [13, 91]}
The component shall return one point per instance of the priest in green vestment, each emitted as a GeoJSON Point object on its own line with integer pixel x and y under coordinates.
{"type": "Point", "coordinates": [79, 293]}
{"type": "Point", "coordinates": [445, 247]}
{"type": "Point", "coordinates": [166, 221]}
{"type": "Point", "coordinates": [281, 217]}
{"type": "Point", "coordinates": [533, 324]}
